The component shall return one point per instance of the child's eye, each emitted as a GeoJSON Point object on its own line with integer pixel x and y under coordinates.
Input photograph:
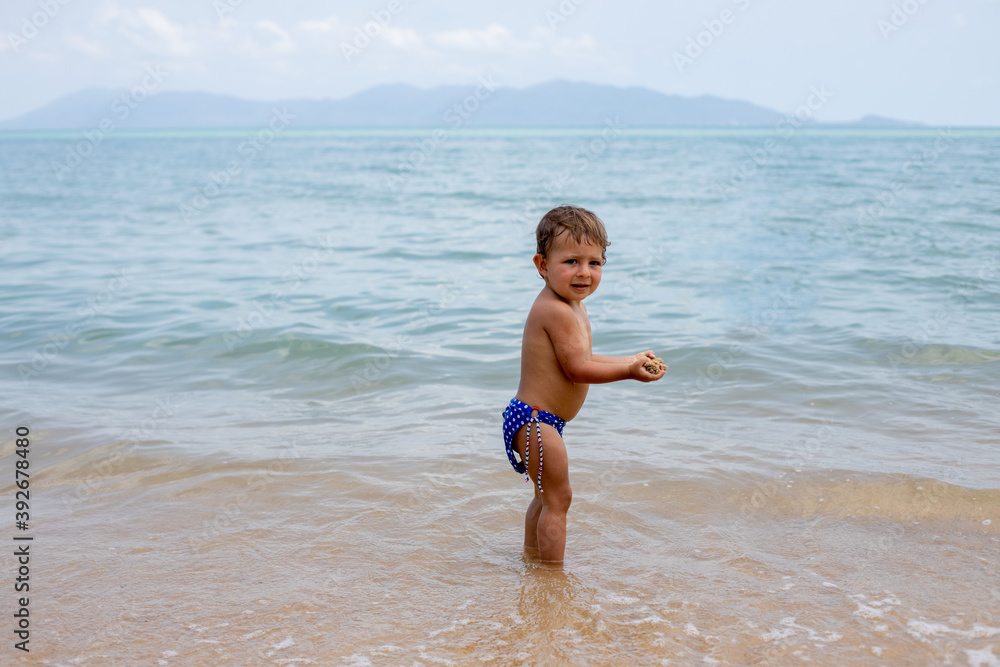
{"type": "Point", "coordinates": [571, 261]}
{"type": "Point", "coordinates": [596, 263]}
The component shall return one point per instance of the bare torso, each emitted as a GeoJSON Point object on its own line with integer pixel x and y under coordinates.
{"type": "Point", "coordinates": [543, 382]}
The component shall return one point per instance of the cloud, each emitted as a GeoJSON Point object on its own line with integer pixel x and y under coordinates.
{"type": "Point", "coordinates": [494, 37]}
{"type": "Point", "coordinates": [577, 49]}
{"type": "Point", "coordinates": [170, 35]}
{"type": "Point", "coordinates": [195, 44]}
{"type": "Point", "coordinates": [281, 42]}
{"type": "Point", "coordinates": [329, 24]}
{"type": "Point", "coordinates": [402, 38]}
{"type": "Point", "coordinates": [107, 11]}
{"type": "Point", "coordinates": [85, 46]}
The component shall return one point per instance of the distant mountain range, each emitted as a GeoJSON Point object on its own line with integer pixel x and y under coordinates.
{"type": "Point", "coordinates": [486, 104]}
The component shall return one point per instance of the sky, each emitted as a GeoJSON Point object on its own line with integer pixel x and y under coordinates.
{"type": "Point", "coordinates": [931, 61]}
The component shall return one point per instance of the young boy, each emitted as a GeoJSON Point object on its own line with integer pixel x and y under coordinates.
{"type": "Point", "coordinates": [557, 368]}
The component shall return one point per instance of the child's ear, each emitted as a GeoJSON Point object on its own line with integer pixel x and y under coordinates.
{"type": "Point", "coordinates": [540, 264]}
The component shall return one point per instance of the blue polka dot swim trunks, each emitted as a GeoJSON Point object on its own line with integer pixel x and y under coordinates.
{"type": "Point", "coordinates": [517, 415]}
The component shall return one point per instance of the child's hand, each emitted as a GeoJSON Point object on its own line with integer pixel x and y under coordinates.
{"type": "Point", "coordinates": [637, 370]}
{"type": "Point", "coordinates": [643, 356]}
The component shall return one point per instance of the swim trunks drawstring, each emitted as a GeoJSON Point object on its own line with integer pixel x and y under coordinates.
{"type": "Point", "coordinates": [517, 414]}
{"type": "Point", "coordinates": [527, 446]}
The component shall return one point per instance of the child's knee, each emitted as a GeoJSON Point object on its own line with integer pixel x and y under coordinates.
{"type": "Point", "coordinates": [568, 497]}
{"type": "Point", "coordinates": [559, 498]}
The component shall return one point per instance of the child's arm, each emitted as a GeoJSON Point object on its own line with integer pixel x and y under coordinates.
{"type": "Point", "coordinates": [576, 361]}
{"type": "Point", "coordinates": [601, 359]}
{"type": "Point", "coordinates": [648, 354]}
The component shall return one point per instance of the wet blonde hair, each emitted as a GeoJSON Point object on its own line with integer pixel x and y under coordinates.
{"type": "Point", "coordinates": [581, 224]}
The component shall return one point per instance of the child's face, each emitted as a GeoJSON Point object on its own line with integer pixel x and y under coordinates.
{"type": "Point", "coordinates": [572, 269]}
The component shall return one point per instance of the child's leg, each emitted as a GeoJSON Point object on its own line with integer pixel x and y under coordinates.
{"type": "Point", "coordinates": [531, 525]}
{"type": "Point", "coordinates": [545, 520]}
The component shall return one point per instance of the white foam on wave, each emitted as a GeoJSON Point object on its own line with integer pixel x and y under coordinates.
{"type": "Point", "coordinates": [455, 625]}
{"type": "Point", "coordinates": [620, 599]}
{"type": "Point", "coordinates": [865, 611]}
{"type": "Point", "coordinates": [875, 608]}
{"type": "Point", "coordinates": [983, 657]}
{"type": "Point", "coordinates": [777, 634]}
{"type": "Point", "coordinates": [431, 658]}
{"type": "Point", "coordinates": [654, 619]}
{"type": "Point", "coordinates": [791, 629]}
{"type": "Point", "coordinates": [924, 629]}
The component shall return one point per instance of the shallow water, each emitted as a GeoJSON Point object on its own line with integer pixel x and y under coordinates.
{"type": "Point", "coordinates": [348, 560]}
{"type": "Point", "coordinates": [270, 433]}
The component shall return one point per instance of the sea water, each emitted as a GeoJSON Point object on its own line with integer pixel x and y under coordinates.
{"type": "Point", "coordinates": [263, 376]}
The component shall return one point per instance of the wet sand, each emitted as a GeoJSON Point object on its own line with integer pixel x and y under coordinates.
{"type": "Point", "coordinates": [358, 561]}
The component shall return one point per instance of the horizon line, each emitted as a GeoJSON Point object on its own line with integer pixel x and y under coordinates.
{"type": "Point", "coordinates": [815, 125]}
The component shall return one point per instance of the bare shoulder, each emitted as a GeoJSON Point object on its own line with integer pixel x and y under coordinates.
{"type": "Point", "coordinates": [549, 310]}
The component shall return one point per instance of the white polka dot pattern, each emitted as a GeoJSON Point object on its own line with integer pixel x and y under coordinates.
{"type": "Point", "coordinates": [517, 415]}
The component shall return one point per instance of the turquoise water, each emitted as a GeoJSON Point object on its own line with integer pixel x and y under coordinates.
{"type": "Point", "coordinates": [309, 290]}
{"type": "Point", "coordinates": [354, 300]}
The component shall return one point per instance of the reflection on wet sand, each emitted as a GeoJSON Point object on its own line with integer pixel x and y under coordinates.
{"type": "Point", "coordinates": [336, 564]}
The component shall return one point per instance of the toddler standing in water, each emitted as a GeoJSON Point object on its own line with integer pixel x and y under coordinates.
{"type": "Point", "coordinates": [557, 369]}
